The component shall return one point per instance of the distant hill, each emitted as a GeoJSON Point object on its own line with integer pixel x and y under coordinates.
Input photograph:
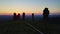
{"type": "Point", "coordinates": [37, 17]}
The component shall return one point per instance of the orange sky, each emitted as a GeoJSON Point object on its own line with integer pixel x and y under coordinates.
{"type": "Point", "coordinates": [8, 7]}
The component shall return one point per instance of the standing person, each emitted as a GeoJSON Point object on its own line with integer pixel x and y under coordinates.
{"type": "Point", "coordinates": [32, 16]}
{"type": "Point", "coordinates": [23, 16]}
{"type": "Point", "coordinates": [14, 16]}
{"type": "Point", "coordinates": [45, 18]}
{"type": "Point", "coordinates": [45, 13]}
{"type": "Point", "coordinates": [18, 16]}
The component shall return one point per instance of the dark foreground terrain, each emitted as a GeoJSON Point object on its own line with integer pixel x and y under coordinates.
{"type": "Point", "coordinates": [52, 26]}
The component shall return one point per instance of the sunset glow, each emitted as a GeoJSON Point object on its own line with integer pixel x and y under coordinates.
{"type": "Point", "coordinates": [8, 7]}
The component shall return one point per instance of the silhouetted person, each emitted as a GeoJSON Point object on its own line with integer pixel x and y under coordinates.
{"type": "Point", "coordinates": [32, 16]}
{"type": "Point", "coordinates": [18, 16]}
{"type": "Point", "coordinates": [45, 14]}
{"type": "Point", "coordinates": [23, 16]}
{"type": "Point", "coordinates": [45, 17]}
{"type": "Point", "coordinates": [14, 16]}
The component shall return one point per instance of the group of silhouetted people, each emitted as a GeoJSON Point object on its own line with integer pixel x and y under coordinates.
{"type": "Point", "coordinates": [16, 17]}
{"type": "Point", "coordinates": [45, 15]}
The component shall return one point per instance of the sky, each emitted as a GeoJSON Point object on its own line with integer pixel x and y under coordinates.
{"type": "Point", "coordinates": [8, 7]}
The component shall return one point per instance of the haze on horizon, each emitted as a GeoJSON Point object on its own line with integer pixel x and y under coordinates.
{"type": "Point", "coordinates": [8, 7]}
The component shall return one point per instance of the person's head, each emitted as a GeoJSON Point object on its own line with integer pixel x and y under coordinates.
{"type": "Point", "coordinates": [14, 14]}
{"type": "Point", "coordinates": [18, 14]}
{"type": "Point", "coordinates": [46, 8]}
